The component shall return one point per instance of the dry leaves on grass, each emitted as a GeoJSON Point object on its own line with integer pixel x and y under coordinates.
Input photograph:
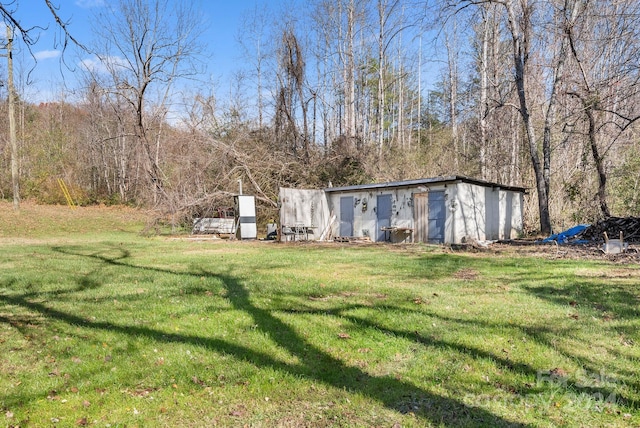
{"type": "Point", "coordinates": [558, 372]}
{"type": "Point", "coordinates": [239, 411]}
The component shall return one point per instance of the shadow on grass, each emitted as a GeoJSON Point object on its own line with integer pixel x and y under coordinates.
{"type": "Point", "coordinates": [593, 382]}
{"type": "Point", "coordinates": [605, 298]}
{"type": "Point", "coordinates": [605, 302]}
{"type": "Point", "coordinates": [315, 363]}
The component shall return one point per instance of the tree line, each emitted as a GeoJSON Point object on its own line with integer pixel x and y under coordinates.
{"type": "Point", "coordinates": [541, 94]}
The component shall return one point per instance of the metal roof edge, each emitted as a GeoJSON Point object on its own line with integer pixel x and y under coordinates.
{"type": "Point", "coordinates": [419, 181]}
{"type": "Point", "coordinates": [491, 184]}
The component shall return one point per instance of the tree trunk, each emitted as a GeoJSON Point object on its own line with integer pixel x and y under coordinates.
{"type": "Point", "coordinates": [599, 161]}
{"type": "Point", "coordinates": [452, 78]}
{"type": "Point", "coordinates": [484, 104]}
{"type": "Point", "coordinates": [550, 116]}
{"type": "Point", "coordinates": [15, 182]}
{"type": "Point", "coordinates": [520, 37]}
{"type": "Point", "coordinates": [381, 61]}
{"type": "Point", "coordinates": [350, 86]}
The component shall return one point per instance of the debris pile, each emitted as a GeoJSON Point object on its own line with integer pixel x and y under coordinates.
{"type": "Point", "coordinates": [568, 236]}
{"type": "Point", "coordinates": [629, 226]}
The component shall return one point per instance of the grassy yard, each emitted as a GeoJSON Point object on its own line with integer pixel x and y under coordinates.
{"type": "Point", "coordinates": [100, 326]}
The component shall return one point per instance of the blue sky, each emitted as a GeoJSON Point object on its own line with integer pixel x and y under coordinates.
{"type": "Point", "coordinates": [53, 71]}
{"type": "Point", "coordinates": [52, 78]}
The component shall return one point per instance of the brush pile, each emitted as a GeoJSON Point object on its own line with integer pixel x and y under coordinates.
{"type": "Point", "coordinates": [629, 226]}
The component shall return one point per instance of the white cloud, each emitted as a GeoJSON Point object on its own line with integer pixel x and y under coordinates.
{"type": "Point", "coordinates": [42, 55]}
{"type": "Point", "coordinates": [95, 65]}
{"type": "Point", "coordinates": [87, 4]}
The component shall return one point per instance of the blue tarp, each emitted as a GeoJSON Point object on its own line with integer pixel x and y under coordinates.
{"type": "Point", "coordinates": [566, 236]}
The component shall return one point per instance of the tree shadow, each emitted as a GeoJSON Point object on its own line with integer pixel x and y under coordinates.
{"type": "Point", "coordinates": [593, 382]}
{"type": "Point", "coordinates": [596, 295]}
{"type": "Point", "coordinates": [314, 363]}
{"type": "Point", "coordinates": [606, 302]}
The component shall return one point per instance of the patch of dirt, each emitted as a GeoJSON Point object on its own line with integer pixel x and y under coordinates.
{"type": "Point", "coordinates": [467, 274]}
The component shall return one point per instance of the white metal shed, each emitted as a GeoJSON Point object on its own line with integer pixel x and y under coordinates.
{"type": "Point", "coordinates": [436, 210]}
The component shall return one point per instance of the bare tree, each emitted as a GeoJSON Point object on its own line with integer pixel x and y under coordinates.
{"type": "Point", "coordinates": [389, 27]}
{"type": "Point", "coordinates": [486, 36]}
{"type": "Point", "coordinates": [146, 46]}
{"type": "Point", "coordinates": [349, 72]}
{"type": "Point", "coordinates": [340, 26]}
{"type": "Point", "coordinates": [26, 33]}
{"type": "Point", "coordinates": [608, 82]}
{"type": "Point", "coordinates": [520, 24]}
{"type": "Point", "coordinates": [110, 153]}
{"type": "Point", "coordinates": [12, 121]}
{"type": "Point", "coordinates": [519, 19]}
{"type": "Point", "coordinates": [451, 85]}
{"type": "Point", "coordinates": [291, 94]}
{"type": "Point", "coordinates": [253, 40]}
{"type": "Point", "coordinates": [15, 27]}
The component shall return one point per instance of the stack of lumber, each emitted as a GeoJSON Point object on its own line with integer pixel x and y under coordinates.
{"type": "Point", "coordinates": [629, 226]}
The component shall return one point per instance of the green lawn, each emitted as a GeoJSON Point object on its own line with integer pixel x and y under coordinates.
{"type": "Point", "coordinates": [100, 326]}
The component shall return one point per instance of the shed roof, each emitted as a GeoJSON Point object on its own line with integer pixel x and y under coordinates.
{"type": "Point", "coordinates": [424, 181]}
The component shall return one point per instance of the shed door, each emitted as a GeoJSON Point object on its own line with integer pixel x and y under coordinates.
{"type": "Point", "coordinates": [346, 216]}
{"type": "Point", "coordinates": [437, 217]}
{"type": "Point", "coordinates": [383, 214]}
{"type": "Point", "coordinates": [421, 217]}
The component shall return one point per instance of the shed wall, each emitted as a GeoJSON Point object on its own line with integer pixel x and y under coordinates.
{"type": "Point", "coordinates": [304, 207]}
{"type": "Point", "coordinates": [472, 211]}
{"type": "Point", "coordinates": [365, 218]}
{"type": "Point", "coordinates": [487, 213]}
{"type": "Point", "coordinates": [511, 214]}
